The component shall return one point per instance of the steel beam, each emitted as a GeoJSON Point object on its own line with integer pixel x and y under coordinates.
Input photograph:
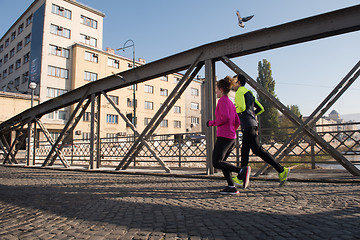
{"type": "Point", "coordinates": [163, 110]}
{"type": "Point", "coordinates": [72, 116]}
{"type": "Point", "coordinates": [92, 131]}
{"type": "Point", "coordinates": [293, 118]}
{"type": "Point", "coordinates": [19, 134]}
{"type": "Point", "coordinates": [209, 109]}
{"type": "Point", "coordinates": [324, 106]}
{"type": "Point", "coordinates": [136, 133]}
{"type": "Point", "coordinates": [321, 26]}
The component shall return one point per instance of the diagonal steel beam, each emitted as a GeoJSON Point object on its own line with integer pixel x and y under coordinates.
{"type": "Point", "coordinates": [73, 114]}
{"type": "Point", "coordinates": [298, 122]}
{"type": "Point", "coordinates": [321, 26]}
{"type": "Point", "coordinates": [51, 141]}
{"type": "Point", "coordinates": [165, 112]}
{"type": "Point", "coordinates": [162, 108]}
{"type": "Point", "coordinates": [5, 145]}
{"type": "Point", "coordinates": [77, 119]}
{"type": "Point", "coordinates": [133, 128]}
{"type": "Point", "coordinates": [324, 106]}
{"type": "Point", "coordinates": [13, 145]}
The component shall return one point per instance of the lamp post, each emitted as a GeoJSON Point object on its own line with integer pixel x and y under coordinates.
{"type": "Point", "coordinates": [133, 66]}
{"type": "Point", "coordinates": [32, 86]}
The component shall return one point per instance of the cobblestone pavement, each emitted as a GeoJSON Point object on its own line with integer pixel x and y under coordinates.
{"type": "Point", "coordinates": [46, 204]}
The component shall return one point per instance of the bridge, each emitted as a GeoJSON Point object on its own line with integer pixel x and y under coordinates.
{"type": "Point", "coordinates": [192, 61]}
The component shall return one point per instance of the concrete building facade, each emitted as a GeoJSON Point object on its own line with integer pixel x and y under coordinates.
{"type": "Point", "coordinates": [58, 45]}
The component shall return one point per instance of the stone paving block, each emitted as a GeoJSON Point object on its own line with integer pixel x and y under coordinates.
{"type": "Point", "coordinates": [41, 204]}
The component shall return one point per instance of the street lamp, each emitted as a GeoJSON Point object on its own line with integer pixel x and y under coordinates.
{"type": "Point", "coordinates": [32, 86]}
{"type": "Point", "coordinates": [133, 66]}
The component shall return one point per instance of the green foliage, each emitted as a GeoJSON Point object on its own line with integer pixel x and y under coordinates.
{"type": "Point", "coordinates": [286, 126]}
{"type": "Point", "coordinates": [268, 120]}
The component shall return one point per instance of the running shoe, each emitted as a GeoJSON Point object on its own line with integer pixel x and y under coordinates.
{"type": "Point", "coordinates": [283, 176]}
{"type": "Point", "coordinates": [229, 191]}
{"type": "Point", "coordinates": [237, 181]}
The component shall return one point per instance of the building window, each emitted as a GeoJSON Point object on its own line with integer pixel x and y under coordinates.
{"type": "Point", "coordinates": [164, 78]}
{"type": "Point", "coordinates": [57, 115]}
{"type": "Point", "coordinates": [19, 46]}
{"type": "Point", "coordinates": [129, 102]}
{"type": "Point", "coordinates": [20, 28]}
{"type": "Point", "coordinates": [115, 99]}
{"type": "Point", "coordinates": [149, 105]}
{"type": "Point", "coordinates": [195, 120]}
{"type": "Point", "coordinates": [131, 87]}
{"type": "Point", "coordinates": [13, 36]}
{"type": "Point", "coordinates": [163, 92]}
{"type": "Point", "coordinates": [86, 135]}
{"type": "Point", "coordinates": [55, 92]}
{"type": "Point", "coordinates": [59, 51]}
{"type": "Point", "coordinates": [195, 106]}
{"type": "Point", "coordinates": [147, 121]}
{"type": "Point", "coordinates": [11, 69]}
{"type": "Point", "coordinates": [54, 135]}
{"type": "Point", "coordinates": [177, 124]}
{"type": "Point", "coordinates": [58, 72]}
{"type": "Point", "coordinates": [89, 76]}
{"type": "Point", "coordinates": [6, 58]}
{"type": "Point", "coordinates": [111, 118]}
{"type": "Point", "coordinates": [25, 77]}
{"type": "Point", "coordinates": [1, 48]}
{"type": "Point", "coordinates": [26, 57]}
{"type": "Point", "coordinates": [88, 40]}
{"type": "Point", "coordinates": [61, 11]}
{"type": "Point", "coordinates": [176, 80]}
{"type": "Point", "coordinates": [17, 82]}
{"type": "Point", "coordinates": [12, 52]}
{"type": "Point", "coordinates": [28, 39]}
{"type": "Point", "coordinates": [113, 63]}
{"type": "Point", "coordinates": [87, 117]}
{"type": "Point", "coordinates": [149, 89]}
{"type": "Point", "coordinates": [60, 31]}
{"type": "Point", "coordinates": [7, 41]}
{"type": "Point", "coordinates": [1, 62]}
{"type": "Point", "coordinates": [4, 73]}
{"type": "Point", "coordinates": [92, 57]}
{"type": "Point", "coordinates": [194, 91]}
{"type": "Point", "coordinates": [164, 123]}
{"type": "Point", "coordinates": [88, 21]}
{"type": "Point", "coordinates": [29, 20]}
{"type": "Point", "coordinates": [18, 63]}
{"type": "Point", "coordinates": [177, 109]}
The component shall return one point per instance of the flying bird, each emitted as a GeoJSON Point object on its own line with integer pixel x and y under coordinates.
{"type": "Point", "coordinates": [242, 20]}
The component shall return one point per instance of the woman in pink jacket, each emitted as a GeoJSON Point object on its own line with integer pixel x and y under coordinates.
{"type": "Point", "coordinates": [227, 122]}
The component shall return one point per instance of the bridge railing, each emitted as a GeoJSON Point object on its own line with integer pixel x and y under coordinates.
{"type": "Point", "coordinates": [189, 149]}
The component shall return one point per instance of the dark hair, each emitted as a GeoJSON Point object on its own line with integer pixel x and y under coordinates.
{"type": "Point", "coordinates": [242, 79]}
{"type": "Point", "coordinates": [226, 84]}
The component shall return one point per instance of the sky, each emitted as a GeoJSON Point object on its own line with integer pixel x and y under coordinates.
{"type": "Point", "coordinates": [304, 73]}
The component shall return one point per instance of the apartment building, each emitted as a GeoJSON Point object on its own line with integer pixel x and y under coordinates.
{"type": "Point", "coordinates": [37, 47]}
{"type": "Point", "coordinates": [90, 64]}
{"type": "Point", "coordinates": [58, 45]}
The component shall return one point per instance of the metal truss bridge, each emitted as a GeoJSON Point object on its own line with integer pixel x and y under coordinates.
{"type": "Point", "coordinates": [192, 61]}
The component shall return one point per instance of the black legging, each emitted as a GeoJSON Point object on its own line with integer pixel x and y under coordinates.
{"type": "Point", "coordinates": [250, 140]}
{"type": "Point", "coordinates": [222, 150]}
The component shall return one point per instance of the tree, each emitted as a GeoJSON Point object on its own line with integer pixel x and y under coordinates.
{"type": "Point", "coordinates": [286, 126]}
{"type": "Point", "coordinates": [268, 120]}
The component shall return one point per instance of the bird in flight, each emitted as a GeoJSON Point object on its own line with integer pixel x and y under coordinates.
{"type": "Point", "coordinates": [242, 20]}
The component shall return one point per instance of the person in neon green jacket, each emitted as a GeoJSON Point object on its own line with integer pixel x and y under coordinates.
{"type": "Point", "coordinates": [247, 108]}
